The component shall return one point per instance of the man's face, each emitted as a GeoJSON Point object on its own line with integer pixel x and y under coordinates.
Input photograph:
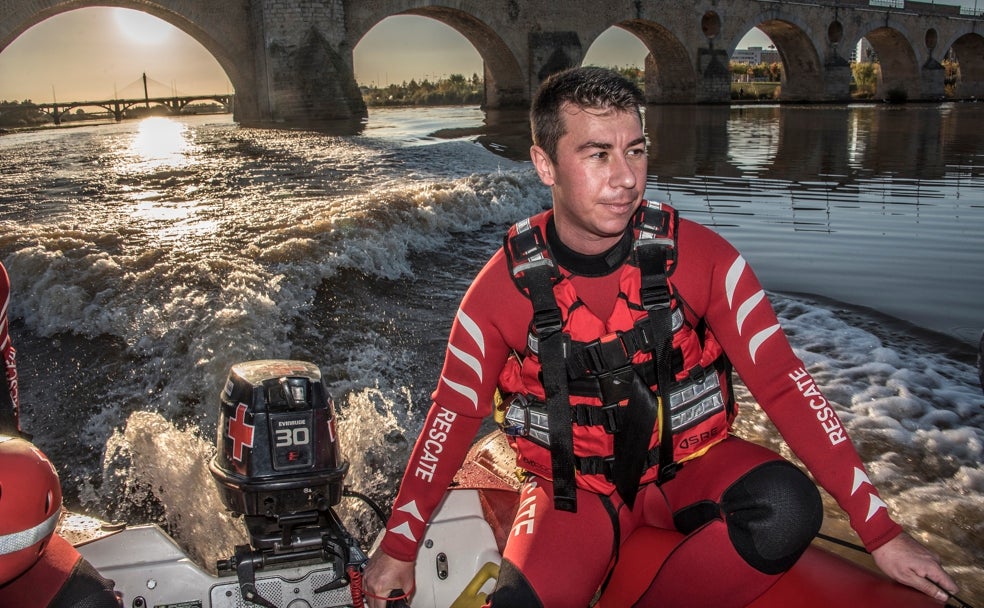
{"type": "Point", "coordinates": [598, 178]}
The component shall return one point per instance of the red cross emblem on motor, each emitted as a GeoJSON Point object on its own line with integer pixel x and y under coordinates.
{"type": "Point", "coordinates": [240, 432]}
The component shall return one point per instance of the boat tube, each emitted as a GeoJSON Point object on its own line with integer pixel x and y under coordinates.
{"type": "Point", "coordinates": [278, 463]}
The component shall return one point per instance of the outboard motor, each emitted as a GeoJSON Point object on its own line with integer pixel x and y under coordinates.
{"type": "Point", "coordinates": [279, 464]}
{"type": "Point", "coordinates": [278, 452]}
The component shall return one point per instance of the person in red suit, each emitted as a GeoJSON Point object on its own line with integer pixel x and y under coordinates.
{"type": "Point", "coordinates": [38, 568]}
{"type": "Point", "coordinates": [611, 325]}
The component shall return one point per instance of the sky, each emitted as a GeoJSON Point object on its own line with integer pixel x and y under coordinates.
{"type": "Point", "coordinates": [100, 53]}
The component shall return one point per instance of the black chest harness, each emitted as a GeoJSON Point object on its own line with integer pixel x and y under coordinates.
{"type": "Point", "coordinates": [535, 273]}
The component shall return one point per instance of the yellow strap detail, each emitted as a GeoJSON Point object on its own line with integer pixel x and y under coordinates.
{"type": "Point", "coordinates": [470, 596]}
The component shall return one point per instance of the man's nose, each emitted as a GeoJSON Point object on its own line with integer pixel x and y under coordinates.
{"type": "Point", "coordinates": [622, 175]}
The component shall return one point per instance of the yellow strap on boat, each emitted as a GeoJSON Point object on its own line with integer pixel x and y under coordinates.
{"type": "Point", "coordinates": [471, 597]}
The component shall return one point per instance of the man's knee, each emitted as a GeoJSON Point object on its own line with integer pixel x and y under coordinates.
{"type": "Point", "coordinates": [773, 512]}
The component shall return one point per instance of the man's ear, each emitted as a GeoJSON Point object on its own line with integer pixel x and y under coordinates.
{"type": "Point", "coordinates": [543, 165]}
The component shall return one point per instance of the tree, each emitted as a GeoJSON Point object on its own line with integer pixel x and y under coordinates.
{"type": "Point", "coordinates": [865, 78]}
{"type": "Point", "coordinates": [23, 114]}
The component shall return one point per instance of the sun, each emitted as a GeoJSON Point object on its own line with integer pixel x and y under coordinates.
{"type": "Point", "coordinates": [141, 27]}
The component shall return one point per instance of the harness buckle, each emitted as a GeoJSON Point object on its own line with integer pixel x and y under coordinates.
{"type": "Point", "coordinates": [655, 297]}
{"type": "Point", "coordinates": [528, 244]}
{"type": "Point", "coordinates": [653, 222]}
{"type": "Point", "coordinates": [616, 386]}
{"type": "Point", "coordinates": [607, 353]}
{"type": "Point", "coordinates": [609, 359]}
{"type": "Point", "coordinates": [516, 421]}
{"type": "Point", "coordinates": [547, 322]}
{"type": "Point", "coordinates": [667, 472]}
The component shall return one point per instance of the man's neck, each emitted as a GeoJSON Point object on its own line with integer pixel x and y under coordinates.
{"type": "Point", "coordinates": [595, 265]}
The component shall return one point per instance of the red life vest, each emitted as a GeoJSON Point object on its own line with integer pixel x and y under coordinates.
{"type": "Point", "coordinates": [601, 356]}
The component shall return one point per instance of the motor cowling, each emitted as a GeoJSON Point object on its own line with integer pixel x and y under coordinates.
{"type": "Point", "coordinates": [278, 452]}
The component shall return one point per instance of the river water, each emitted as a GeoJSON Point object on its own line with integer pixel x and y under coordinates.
{"type": "Point", "coordinates": [147, 257]}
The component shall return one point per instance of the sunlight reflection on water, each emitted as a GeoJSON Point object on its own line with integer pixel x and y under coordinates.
{"type": "Point", "coordinates": [163, 144]}
{"type": "Point", "coordinates": [160, 142]}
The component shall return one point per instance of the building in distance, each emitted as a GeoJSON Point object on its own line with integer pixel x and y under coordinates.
{"type": "Point", "coordinates": [755, 55]}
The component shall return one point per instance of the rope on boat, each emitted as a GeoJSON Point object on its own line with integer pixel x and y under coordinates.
{"type": "Point", "coordinates": [958, 603]}
{"type": "Point", "coordinates": [370, 502]}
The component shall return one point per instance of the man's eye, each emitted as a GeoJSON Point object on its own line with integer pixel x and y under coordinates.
{"type": "Point", "coordinates": [600, 155]}
{"type": "Point", "coordinates": [637, 152]}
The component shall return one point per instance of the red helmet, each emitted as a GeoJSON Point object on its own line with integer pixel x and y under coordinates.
{"type": "Point", "coordinates": [30, 503]}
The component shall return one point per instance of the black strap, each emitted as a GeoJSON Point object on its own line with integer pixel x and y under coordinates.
{"type": "Point", "coordinates": [631, 442]}
{"type": "Point", "coordinates": [601, 465]}
{"type": "Point", "coordinates": [655, 293]}
{"type": "Point", "coordinates": [554, 347]}
{"type": "Point", "coordinates": [638, 339]}
{"type": "Point", "coordinates": [534, 271]}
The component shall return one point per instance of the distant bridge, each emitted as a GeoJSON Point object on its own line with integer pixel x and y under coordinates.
{"type": "Point", "coordinates": [290, 61]}
{"type": "Point", "coordinates": [118, 107]}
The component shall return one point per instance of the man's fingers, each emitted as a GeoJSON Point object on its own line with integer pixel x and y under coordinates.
{"type": "Point", "coordinates": [939, 590]}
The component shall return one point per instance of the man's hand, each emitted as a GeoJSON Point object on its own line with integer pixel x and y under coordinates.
{"type": "Point", "coordinates": [909, 562]}
{"type": "Point", "coordinates": [384, 574]}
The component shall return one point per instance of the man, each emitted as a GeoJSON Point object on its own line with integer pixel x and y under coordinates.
{"type": "Point", "coordinates": [38, 568]}
{"type": "Point", "coordinates": [594, 315]}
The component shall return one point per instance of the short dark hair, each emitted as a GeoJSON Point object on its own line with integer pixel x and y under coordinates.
{"type": "Point", "coordinates": [584, 87]}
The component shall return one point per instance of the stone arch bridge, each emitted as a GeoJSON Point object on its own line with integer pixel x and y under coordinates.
{"type": "Point", "coordinates": [291, 63]}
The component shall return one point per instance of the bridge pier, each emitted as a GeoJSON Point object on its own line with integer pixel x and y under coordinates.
{"type": "Point", "coordinates": [306, 77]}
{"type": "Point", "coordinates": [932, 75]}
{"type": "Point", "coordinates": [552, 52]}
{"type": "Point", "coordinates": [837, 78]}
{"type": "Point", "coordinates": [713, 77]}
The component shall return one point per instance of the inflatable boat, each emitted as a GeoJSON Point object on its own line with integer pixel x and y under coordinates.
{"type": "Point", "coordinates": [278, 464]}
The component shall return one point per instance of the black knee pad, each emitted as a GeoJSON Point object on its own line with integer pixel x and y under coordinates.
{"type": "Point", "coordinates": [512, 590]}
{"type": "Point", "coordinates": [86, 588]}
{"type": "Point", "coordinates": [772, 512]}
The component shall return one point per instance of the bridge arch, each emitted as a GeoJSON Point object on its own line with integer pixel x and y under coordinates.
{"type": "Point", "coordinates": [802, 73]}
{"type": "Point", "coordinates": [505, 81]}
{"type": "Point", "coordinates": [803, 70]}
{"type": "Point", "coordinates": [670, 73]}
{"type": "Point", "coordinates": [185, 15]}
{"type": "Point", "coordinates": [969, 50]}
{"type": "Point", "coordinates": [898, 65]}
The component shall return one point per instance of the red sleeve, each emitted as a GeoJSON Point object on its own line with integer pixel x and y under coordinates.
{"type": "Point", "coordinates": [487, 326]}
{"type": "Point", "coordinates": [9, 404]}
{"type": "Point", "coordinates": [741, 316]}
